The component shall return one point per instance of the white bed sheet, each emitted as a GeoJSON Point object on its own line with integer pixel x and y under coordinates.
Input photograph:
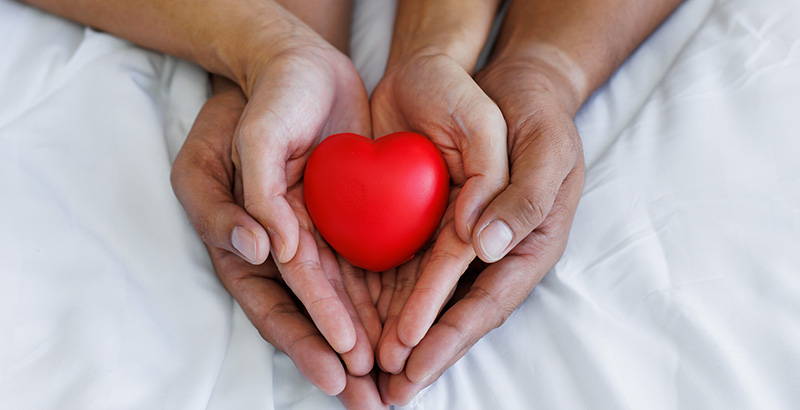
{"type": "Point", "coordinates": [679, 289]}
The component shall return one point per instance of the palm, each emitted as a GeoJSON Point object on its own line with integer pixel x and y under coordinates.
{"type": "Point", "coordinates": [307, 94]}
{"type": "Point", "coordinates": [434, 96]}
{"type": "Point", "coordinates": [297, 98]}
{"type": "Point", "coordinates": [212, 189]}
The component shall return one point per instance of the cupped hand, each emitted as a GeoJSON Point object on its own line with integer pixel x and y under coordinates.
{"type": "Point", "coordinates": [302, 91]}
{"type": "Point", "coordinates": [432, 94]}
{"type": "Point", "coordinates": [206, 183]}
{"type": "Point", "coordinates": [299, 94]}
{"type": "Point", "coordinates": [532, 216]}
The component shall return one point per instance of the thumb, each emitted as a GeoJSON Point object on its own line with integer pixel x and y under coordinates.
{"type": "Point", "coordinates": [275, 136]}
{"type": "Point", "coordinates": [202, 183]}
{"type": "Point", "coordinates": [261, 163]}
{"type": "Point", "coordinates": [537, 172]}
{"type": "Point", "coordinates": [482, 135]}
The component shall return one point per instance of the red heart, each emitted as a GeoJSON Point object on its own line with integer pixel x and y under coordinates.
{"type": "Point", "coordinates": [376, 202]}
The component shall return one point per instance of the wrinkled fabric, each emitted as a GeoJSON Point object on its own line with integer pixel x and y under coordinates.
{"type": "Point", "coordinates": [679, 288]}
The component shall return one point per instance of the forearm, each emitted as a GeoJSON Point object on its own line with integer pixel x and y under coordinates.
{"type": "Point", "coordinates": [329, 18]}
{"type": "Point", "coordinates": [582, 41]}
{"type": "Point", "coordinates": [220, 35]}
{"type": "Point", "coordinates": [457, 28]}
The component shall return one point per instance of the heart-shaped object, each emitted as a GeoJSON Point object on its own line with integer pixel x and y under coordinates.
{"type": "Point", "coordinates": [376, 202]}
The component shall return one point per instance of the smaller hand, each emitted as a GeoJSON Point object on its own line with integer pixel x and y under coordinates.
{"type": "Point", "coordinates": [433, 95]}
{"type": "Point", "coordinates": [205, 181]}
{"type": "Point", "coordinates": [534, 211]}
{"type": "Point", "coordinates": [297, 95]}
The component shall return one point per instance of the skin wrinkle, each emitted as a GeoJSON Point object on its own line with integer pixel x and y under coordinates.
{"type": "Point", "coordinates": [564, 65]}
{"type": "Point", "coordinates": [297, 268]}
{"type": "Point", "coordinates": [500, 310]}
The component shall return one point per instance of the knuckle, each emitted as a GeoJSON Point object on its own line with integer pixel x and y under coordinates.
{"type": "Point", "coordinates": [432, 294]}
{"type": "Point", "coordinates": [496, 308]}
{"type": "Point", "coordinates": [530, 210]}
{"type": "Point", "coordinates": [402, 286]}
{"type": "Point", "coordinates": [256, 206]}
{"type": "Point", "coordinates": [271, 320]}
{"type": "Point", "coordinates": [363, 306]}
{"type": "Point", "coordinates": [323, 304]}
{"type": "Point", "coordinates": [464, 337]}
{"type": "Point", "coordinates": [277, 311]}
{"type": "Point", "coordinates": [290, 349]}
{"type": "Point", "coordinates": [302, 266]}
{"type": "Point", "coordinates": [442, 255]}
{"type": "Point", "coordinates": [248, 132]}
{"type": "Point", "coordinates": [338, 286]}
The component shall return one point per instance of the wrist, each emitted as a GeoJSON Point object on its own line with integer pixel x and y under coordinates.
{"type": "Point", "coordinates": [329, 18]}
{"type": "Point", "coordinates": [456, 29]}
{"type": "Point", "coordinates": [408, 49]}
{"type": "Point", "coordinates": [556, 75]}
{"type": "Point", "coordinates": [239, 43]}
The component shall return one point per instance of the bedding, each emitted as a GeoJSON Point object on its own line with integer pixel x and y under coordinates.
{"type": "Point", "coordinates": [679, 288]}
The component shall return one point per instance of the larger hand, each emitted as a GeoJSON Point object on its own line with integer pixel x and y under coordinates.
{"type": "Point", "coordinates": [204, 178]}
{"type": "Point", "coordinates": [537, 208]}
{"type": "Point", "coordinates": [297, 96]}
{"type": "Point", "coordinates": [428, 88]}
{"type": "Point", "coordinates": [549, 58]}
{"type": "Point", "coordinates": [432, 94]}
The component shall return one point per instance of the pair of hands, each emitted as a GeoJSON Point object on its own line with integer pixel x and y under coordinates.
{"type": "Point", "coordinates": [513, 154]}
{"type": "Point", "coordinates": [507, 135]}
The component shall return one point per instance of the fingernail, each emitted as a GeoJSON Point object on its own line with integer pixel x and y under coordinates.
{"type": "Point", "coordinates": [472, 221]}
{"type": "Point", "coordinates": [494, 239]}
{"type": "Point", "coordinates": [278, 246]}
{"type": "Point", "coordinates": [244, 241]}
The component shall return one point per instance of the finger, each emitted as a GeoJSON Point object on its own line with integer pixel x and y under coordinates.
{"type": "Point", "coordinates": [541, 164]}
{"type": "Point", "coordinates": [359, 359]}
{"type": "Point", "coordinates": [481, 128]}
{"type": "Point", "coordinates": [464, 123]}
{"type": "Point", "coordinates": [305, 276]}
{"type": "Point", "coordinates": [387, 283]}
{"type": "Point", "coordinates": [447, 341]}
{"type": "Point", "coordinates": [280, 321]}
{"type": "Point", "coordinates": [202, 178]}
{"type": "Point", "coordinates": [375, 285]}
{"type": "Point", "coordinates": [444, 264]}
{"type": "Point", "coordinates": [264, 187]}
{"type": "Point", "coordinates": [362, 393]}
{"type": "Point", "coordinates": [350, 112]}
{"type": "Point", "coordinates": [496, 292]}
{"type": "Point", "coordinates": [391, 353]}
{"type": "Point", "coordinates": [494, 295]}
{"type": "Point", "coordinates": [355, 283]}
{"type": "Point", "coordinates": [449, 259]}
{"type": "Point", "coordinates": [277, 130]}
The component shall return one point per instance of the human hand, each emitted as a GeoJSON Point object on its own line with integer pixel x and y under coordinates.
{"type": "Point", "coordinates": [205, 181]}
{"type": "Point", "coordinates": [537, 207]}
{"type": "Point", "coordinates": [299, 94]}
{"type": "Point", "coordinates": [296, 97]}
{"type": "Point", "coordinates": [431, 93]}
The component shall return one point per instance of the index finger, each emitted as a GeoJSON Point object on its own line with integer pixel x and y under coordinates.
{"type": "Point", "coordinates": [449, 259]}
{"type": "Point", "coordinates": [483, 308]}
{"type": "Point", "coordinates": [496, 293]}
{"type": "Point", "coordinates": [304, 275]}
